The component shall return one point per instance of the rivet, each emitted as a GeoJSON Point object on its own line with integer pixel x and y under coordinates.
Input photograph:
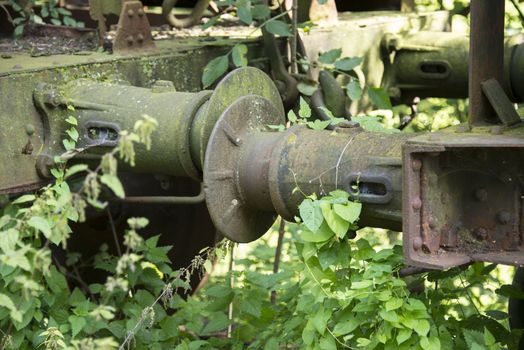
{"type": "Point", "coordinates": [130, 40]}
{"type": "Point", "coordinates": [140, 37]}
{"type": "Point", "coordinates": [416, 204]}
{"type": "Point", "coordinates": [432, 222]}
{"type": "Point", "coordinates": [29, 129]}
{"type": "Point", "coordinates": [481, 195]}
{"type": "Point", "coordinates": [140, 12]}
{"type": "Point", "coordinates": [130, 13]}
{"type": "Point", "coordinates": [416, 164]}
{"type": "Point", "coordinates": [417, 243]}
{"type": "Point", "coordinates": [503, 217]}
{"type": "Point", "coordinates": [480, 233]}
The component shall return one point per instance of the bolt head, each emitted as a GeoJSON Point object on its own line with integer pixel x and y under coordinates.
{"type": "Point", "coordinates": [140, 12]}
{"type": "Point", "coordinates": [416, 204]}
{"type": "Point", "coordinates": [416, 164]}
{"type": "Point", "coordinates": [503, 217]}
{"type": "Point", "coordinates": [417, 243]}
{"type": "Point", "coordinates": [481, 195]}
{"type": "Point", "coordinates": [130, 40]}
{"type": "Point", "coordinates": [29, 129]}
{"type": "Point", "coordinates": [140, 37]}
{"type": "Point", "coordinates": [130, 13]}
{"type": "Point", "coordinates": [480, 233]}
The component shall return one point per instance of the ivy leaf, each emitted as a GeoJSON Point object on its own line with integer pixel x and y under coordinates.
{"type": "Point", "coordinates": [348, 63]}
{"type": "Point", "coordinates": [361, 284]}
{"type": "Point", "coordinates": [353, 90]}
{"type": "Point", "coordinates": [114, 184]}
{"type": "Point", "coordinates": [214, 70]}
{"type": "Point", "coordinates": [430, 343]}
{"type": "Point", "coordinates": [71, 120]}
{"type": "Point", "coordinates": [510, 291]}
{"type": "Point", "coordinates": [41, 225]}
{"type": "Point", "coordinates": [321, 235]}
{"type": "Point", "coordinates": [349, 211]}
{"type": "Point", "coordinates": [311, 214]}
{"type": "Point", "coordinates": [327, 343]}
{"type": "Point", "coordinates": [379, 97]}
{"type": "Point", "coordinates": [69, 145]}
{"type": "Point", "coordinates": [393, 304]}
{"type": "Point", "coordinates": [421, 327]}
{"type": "Point", "coordinates": [278, 28]}
{"type": "Point", "coordinates": [77, 324]}
{"type": "Point", "coordinates": [320, 320]}
{"type": "Point", "coordinates": [403, 335]}
{"type": "Point", "coordinates": [330, 56]}
{"type": "Point", "coordinates": [73, 134]}
{"type": "Point", "coordinates": [239, 55]}
{"type": "Point", "coordinates": [335, 222]}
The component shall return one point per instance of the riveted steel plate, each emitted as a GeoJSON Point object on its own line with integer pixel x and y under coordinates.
{"type": "Point", "coordinates": [463, 199]}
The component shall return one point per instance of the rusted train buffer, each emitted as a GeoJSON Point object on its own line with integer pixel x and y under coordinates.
{"type": "Point", "coordinates": [455, 194]}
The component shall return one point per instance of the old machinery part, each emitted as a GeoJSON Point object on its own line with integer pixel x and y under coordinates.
{"type": "Point", "coordinates": [429, 65]}
{"type": "Point", "coordinates": [193, 19]}
{"type": "Point", "coordinates": [486, 56]}
{"type": "Point", "coordinates": [463, 198]}
{"type": "Point", "coordinates": [251, 173]}
{"type": "Point", "coordinates": [103, 110]}
{"type": "Point", "coordinates": [170, 200]}
{"type": "Point", "coordinates": [133, 32]}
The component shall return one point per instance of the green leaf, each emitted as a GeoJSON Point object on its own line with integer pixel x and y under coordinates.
{"type": "Point", "coordinates": [211, 22]}
{"type": "Point", "coordinates": [311, 214]}
{"type": "Point", "coordinates": [71, 120]}
{"type": "Point", "coordinates": [214, 70]}
{"type": "Point", "coordinates": [321, 235]}
{"type": "Point", "coordinates": [244, 12]}
{"type": "Point", "coordinates": [403, 335]}
{"type": "Point", "coordinates": [510, 291]}
{"type": "Point", "coordinates": [394, 304]}
{"type": "Point", "coordinates": [327, 343]}
{"type": "Point", "coordinates": [75, 169]}
{"type": "Point", "coordinates": [73, 134]}
{"type": "Point", "coordinates": [278, 28]}
{"type": "Point", "coordinates": [114, 184]}
{"type": "Point", "coordinates": [41, 225]}
{"type": "Point", "coordinates": [5, 301]}
{"type": "Point", "coordinates": [320, 320]}
{"type": "Point", "coordinates": [318, 124]}
{"type": "Point", "coordinates": [361, 284]}
{"type": "Point", "coordinates": [349, 211]}
{"type": "Point", "coordinates": [348, 63]}
{"type": "Point", "coordinates": [307, 87]}
{"type": "Point", "coordinates": [330, 56]}
{"type": "Point", "coordinates": [363, 342]}
{"type": "Point", "coordinates": [69, 145]}
{"type": "Point", "coordinates": [335, 222]}
{"type": "Point", "coordinates": [305, 110]}
{"type": "Point", "coordinates": [239, 55]}
{"type": "Point", "coordinates": [390, 316]}
{"type": "Point", "coordinates": [421, 327]}
{"type": "Point", "coordinates": [292, 117]}
{"type": "Point", "coordinates": [260, 11]}
{"type": "Point", "coordinates": [430, 343]}
{"type": "Point", "coordinates": [379, 97]}
{"type": "Point", "coordinates": [24, 199]}
{"type": "Point", "coordinates": [77, 324]}
{"type": "Point", "coordinates": [218, 322]}
{"type": "Point", "coordinates": [353, 90]}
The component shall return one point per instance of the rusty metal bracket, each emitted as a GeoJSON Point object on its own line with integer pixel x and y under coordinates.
{"type": "Point", "coordinates": [463, 199]}
{"type": "Point", "coordinates": [500, 102]}
{"type": "Point", "coordinates": [134, 32]}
